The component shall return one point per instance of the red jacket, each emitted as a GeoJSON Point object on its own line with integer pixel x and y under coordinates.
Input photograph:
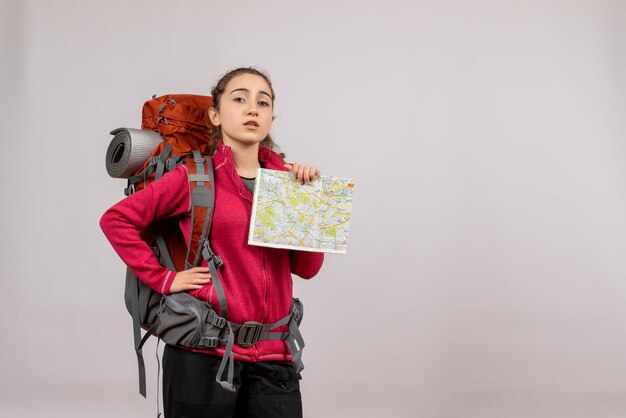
{"type": "Point", "coordinates": [257, 280]}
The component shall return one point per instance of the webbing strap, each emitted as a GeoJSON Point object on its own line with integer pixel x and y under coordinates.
{"type": "Point", "coordinates": [160, 168]}
{"type": "Point", "coordinates": [296, 343]}
{"type": "Point", "coordinates": [142, 176]}
{"type": "Point", "coordinates": [293, 338]}
{"type": "Point", "coordinates": [157, 164]}
{"type": "Point", "coordinates": [172, 162]}
{"type": "Point", "coordinates": [285, 320]}
{"type": "Point", "coordinates": [204, 197]}
{"type": "Point", "coordinates": [163, 251]}
{"type": "Point", "coordinates": [199, 160]}
{"type": "Point", "coordinates": [204, 237]}
{"type": "Point", "coordinates": [165, 103]}
{"type": "Point", "coordinates": [201, 196]}
{"type": "Point", "coordinates": [134, 307]}
{"type": "Point", "coordinates": [264, 328]}
{"type": "Point", "coordinates": [199, 177]}
{"type": "Point", "coordinates": [213, 261]}
{"type": "Point", "coordinates": [230, 359]}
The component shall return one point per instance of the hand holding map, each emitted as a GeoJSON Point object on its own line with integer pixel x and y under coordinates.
{"type": "Point", "coordinates": [305, 174]}
{"type": "Point", "coordinates": [310, 217]}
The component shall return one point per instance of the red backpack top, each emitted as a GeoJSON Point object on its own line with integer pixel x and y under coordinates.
{"type": "Point", "coordinates": [182, 121]}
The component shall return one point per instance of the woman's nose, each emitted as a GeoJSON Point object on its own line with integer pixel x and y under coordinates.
{"type": "Point", "coordinates": [252, 109]}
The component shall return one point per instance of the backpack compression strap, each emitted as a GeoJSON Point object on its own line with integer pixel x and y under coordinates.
{"type": "Point", "coordinates": [130, 276]}
{"type": "Point", "coordinates": [159, 165]}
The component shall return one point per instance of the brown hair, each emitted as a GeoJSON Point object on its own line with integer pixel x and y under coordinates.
{"type": "Point", "coordinates": [218, 90]}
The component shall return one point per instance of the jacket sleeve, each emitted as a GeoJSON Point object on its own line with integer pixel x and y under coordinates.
{"type": "Point", "coordinates": [306, 264]}
{"type": "Point", "coordinates": [167, 197]}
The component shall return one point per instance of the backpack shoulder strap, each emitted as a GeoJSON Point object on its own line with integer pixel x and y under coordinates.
{"type": "Point", "coordinates": [202, 184]}
{"type": "Point", "coordinates": [200, 174]}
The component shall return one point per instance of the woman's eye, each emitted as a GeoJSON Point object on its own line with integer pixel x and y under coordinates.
{"type": "Point", "coordinates": [263, 103]}
{"type": "Point", "coordinates": [239, 99]}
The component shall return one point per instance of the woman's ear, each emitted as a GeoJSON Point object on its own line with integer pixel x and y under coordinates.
{"type": "Point", "coordinates": [214, 116]}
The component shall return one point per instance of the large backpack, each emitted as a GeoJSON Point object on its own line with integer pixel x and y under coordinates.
{"type": "Point", "coordinates": [175, 130]}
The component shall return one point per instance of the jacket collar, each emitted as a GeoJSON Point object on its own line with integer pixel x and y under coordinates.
{"type": "Point", "coordinates": [268, 157]}
{"type": "Point", "coordinates": [224, 158]}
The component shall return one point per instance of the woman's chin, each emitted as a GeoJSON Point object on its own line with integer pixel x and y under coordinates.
{"type": "Point", "coordinates": [246, 140]}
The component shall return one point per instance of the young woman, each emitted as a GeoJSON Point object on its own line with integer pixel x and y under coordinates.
{"type": "Point", "coordinates": [257, 281]}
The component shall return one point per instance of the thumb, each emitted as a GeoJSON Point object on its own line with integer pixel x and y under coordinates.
{"type": "Point", "coordinates": [288, 166]}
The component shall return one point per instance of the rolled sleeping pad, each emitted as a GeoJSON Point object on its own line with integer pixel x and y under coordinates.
{"type": "Point", "coordinates": [129, 149]}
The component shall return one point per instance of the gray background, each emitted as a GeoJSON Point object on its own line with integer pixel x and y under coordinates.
{"type": "Point", "coordinates": [485, 272]}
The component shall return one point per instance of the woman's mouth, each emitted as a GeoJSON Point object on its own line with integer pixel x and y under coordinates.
{"type": "Point", "coordinates": [251, 124]}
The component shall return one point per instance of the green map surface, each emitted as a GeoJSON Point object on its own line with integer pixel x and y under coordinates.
{"type": "Point", "coordinates": [310, 217]}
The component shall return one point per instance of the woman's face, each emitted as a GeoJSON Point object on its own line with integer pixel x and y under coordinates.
{"type": "Point", "coordinates": [245, 110]}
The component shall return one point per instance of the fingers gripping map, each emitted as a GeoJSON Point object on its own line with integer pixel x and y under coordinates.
{"type": "Point", "coordinates": [310, 217]}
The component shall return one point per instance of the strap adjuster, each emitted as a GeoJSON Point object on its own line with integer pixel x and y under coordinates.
{"type": "Point", "coordinates": [208, 342]}
{"type": "Point", "coordinates": [210, 256]}
{"type": "Point", "coordinates": [165, 103]}
{"type": "Point", "coordinates": [215, 320]}
{"type": "Point", "coordinates": [248, 334]}
{"type": "Point", "coordinates": [129, 190]}
{"type": "Point", "coordinates": [170, 164]}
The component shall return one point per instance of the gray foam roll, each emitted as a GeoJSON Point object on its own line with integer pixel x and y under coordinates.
{"type": "Point", "coordinates": [129, 149]}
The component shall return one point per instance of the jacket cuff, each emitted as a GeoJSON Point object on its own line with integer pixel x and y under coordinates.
{"type": "Point", "coordinates": [167, 282]}
{"type": "Point", "coordinates": [306, 264]}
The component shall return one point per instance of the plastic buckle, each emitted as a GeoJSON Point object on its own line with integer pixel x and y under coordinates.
{"type": "Point", "coordinates": [130, 189]}
{"type": "Point", "coordinates": [249, 333]}
{"type": "Point", "coordinates": [154, 160]}
{"type": "Point", "coordinates": [170, 164]}
{"type": "Point", "coordinates": [215, 320]}
{"type": "Point", "coordinates": [208, 342]}
{"type": "Point", "coordinates": [218, 261]}
{"type": "Point", "coordinates": [210, 256]}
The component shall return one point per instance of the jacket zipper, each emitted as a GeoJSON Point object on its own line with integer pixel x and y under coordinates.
{"type": "Point", "coordinates": [265, 292]}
